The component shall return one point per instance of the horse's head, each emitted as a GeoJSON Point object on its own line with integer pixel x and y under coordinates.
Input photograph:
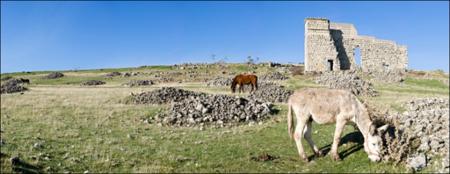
{"type": "Point", "coordinates": [374, 142]}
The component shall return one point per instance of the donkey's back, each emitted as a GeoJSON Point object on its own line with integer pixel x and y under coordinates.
{"type": "Point", "coordinates": [324, 105]}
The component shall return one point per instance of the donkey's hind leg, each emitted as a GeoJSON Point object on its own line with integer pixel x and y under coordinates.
{"type": "Point", "coordinates": [308, 138]}
{"type": "Point", "coordinates": [298, 135]}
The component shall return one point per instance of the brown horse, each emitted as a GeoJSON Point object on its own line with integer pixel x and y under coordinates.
{"type": "Point", "coordinates": [244, 79]}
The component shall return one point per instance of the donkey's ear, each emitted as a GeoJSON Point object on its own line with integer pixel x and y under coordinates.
{"type": "Point", "coordinates": [382, 128]}
{"type": "Point", "coordinates": [372, 129]}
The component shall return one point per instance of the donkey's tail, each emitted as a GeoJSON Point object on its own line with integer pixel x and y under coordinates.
{"type": "Point", "coordinates": [290, 121]}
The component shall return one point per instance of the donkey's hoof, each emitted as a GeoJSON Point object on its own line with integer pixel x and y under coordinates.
{"type": "Point", "coordinates": [304, 158]}
{"type": "Point", "coordinates": [318, 154]}
{"type": "Point", "coordinates": [336, 158]}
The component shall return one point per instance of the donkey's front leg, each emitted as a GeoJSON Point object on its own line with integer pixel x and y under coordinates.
{"type": "Point", "coordinates": [307, 134]}
{"type": "Point", "coordinates": [337, 137]}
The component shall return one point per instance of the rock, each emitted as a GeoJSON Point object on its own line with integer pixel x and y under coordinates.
{"type": "Point", "coordinates": [13, 86]}
{"type": "Point", "coordinates": [54, 75]}
{"type": "Point", "coordinates": [38, 145]}
{"type": "Point", "coordinates": [92, 83]}
{"type": "Point", "coordinates": [417, 162]}
{"type": "Point", "coordinates": [113, 74]}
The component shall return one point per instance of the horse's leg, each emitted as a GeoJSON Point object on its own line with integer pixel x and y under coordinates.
{"type": "Point", "coordinates": [298, 135]}
{"type": "Point", "coordinates": [308, 138]}
{"type": "Point", "coordinates": [337, 137]}
{"type": "Point", "coordinates": [240, 88]}
{"type": "Point", "coordinates": [252, 89]}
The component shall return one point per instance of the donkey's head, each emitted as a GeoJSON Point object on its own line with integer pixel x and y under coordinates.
{"type": "Point", "coordinates": [374, 142]}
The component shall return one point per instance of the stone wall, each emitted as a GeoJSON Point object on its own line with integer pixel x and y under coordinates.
{"type": "Point", "coordinates": [331, 47]}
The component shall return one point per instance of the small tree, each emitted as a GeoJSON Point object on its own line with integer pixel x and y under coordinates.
{"type": "Point", "coordinates": [213, 57]}
{"type": "Point", "coordinates": [250, 60]}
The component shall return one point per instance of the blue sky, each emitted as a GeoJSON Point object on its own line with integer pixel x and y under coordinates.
{"type": "Point", "coordinates": [86, 35]}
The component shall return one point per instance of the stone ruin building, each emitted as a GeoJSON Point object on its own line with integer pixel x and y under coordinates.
{"type": "Point", "coordinates": [331, 47]}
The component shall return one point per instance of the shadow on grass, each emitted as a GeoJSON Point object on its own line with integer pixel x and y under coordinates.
{"type": "Point", "coordinates": [21, 166]}
{"type": "Point", "coordinates": [354, 137]}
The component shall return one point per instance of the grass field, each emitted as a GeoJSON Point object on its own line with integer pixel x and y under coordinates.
{"type": "Point", "coordinates": [59, 126]}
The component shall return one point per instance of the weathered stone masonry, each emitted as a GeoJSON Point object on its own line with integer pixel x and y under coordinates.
{"type": "Point", "coordinates": [331, 47]}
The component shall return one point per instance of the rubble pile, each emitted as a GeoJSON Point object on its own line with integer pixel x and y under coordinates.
{"type": "Point", "coordinates": [348, 80]}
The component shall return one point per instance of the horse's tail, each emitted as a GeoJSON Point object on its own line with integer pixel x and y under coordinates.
{"type": "Point", "coordinates": [290, 121]}
{"type": "Point", "coordinates": [256, 82]}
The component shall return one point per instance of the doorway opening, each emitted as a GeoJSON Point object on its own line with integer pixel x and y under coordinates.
{"type": "Point", "coordinates": [357, 55]}
{"type": "Point", "coordinates": [330, 65]}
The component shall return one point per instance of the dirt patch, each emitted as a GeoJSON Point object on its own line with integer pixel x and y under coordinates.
{"type": "Point", "coordinates": [264, 157]}
{"type": "Point", "coordinates": [297, 70]}
{"type": "Point", "coordinates": [92, 83]}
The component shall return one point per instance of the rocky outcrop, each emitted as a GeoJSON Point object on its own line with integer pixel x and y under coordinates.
{"type": "Point", "coordinates": [421, 131]}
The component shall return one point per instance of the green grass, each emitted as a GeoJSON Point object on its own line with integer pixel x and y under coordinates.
{"type": "Point", "coordinates": [426, 83]}
{"type": "Point", "coordinates": [95, 138]}
{"type": "Point", "coordinates": [89, 128]}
